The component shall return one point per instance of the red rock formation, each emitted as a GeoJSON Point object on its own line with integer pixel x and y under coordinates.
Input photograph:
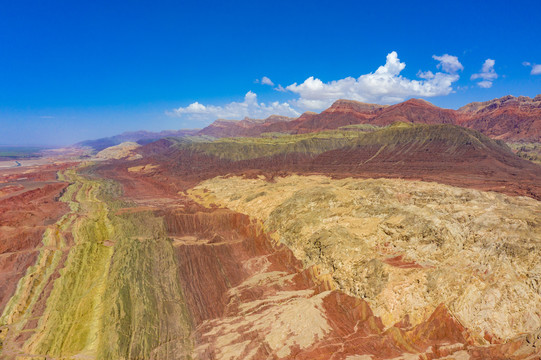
{"type": "Point", "coordinates": [473, 164]}
{"type": "Point", "coordinates": [414, 111]}
{"type": "Point", "coordinates": [246, 127]}
{"type": "Point", "coordinates": [508, 118]}
{"type": "Point", "coordinates": [24, 216]}
{"type": "Point", "coordinates": [341, 113]}
{"type": "Point", "coordinates": [250, 298]}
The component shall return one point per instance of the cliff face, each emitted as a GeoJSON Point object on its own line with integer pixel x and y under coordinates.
{"type": "Point", "coordinates": [399, 244]}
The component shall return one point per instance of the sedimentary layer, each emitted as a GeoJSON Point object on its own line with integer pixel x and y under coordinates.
{"type": "Point", "coordinates": [406, 246]}
{"type": "Point", "coordinates": [444, 153]}
{"type": "Point", "coordinates": [136, 270]}
{"type": "Point", "coordinates": [510, 118]}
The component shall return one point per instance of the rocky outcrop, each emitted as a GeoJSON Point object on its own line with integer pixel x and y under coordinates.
{"type": "Point", "coordinates": [509, 118]}
{"type": "Point", "coordinates": [137, 270]}
{"type": "Point", "coordinates": [246, 127]}
{"type": "Point", "coordinates": [27, 211]}
{"type": "Point", "coordinates": [400, 244]}
{"type": "Point", "coordinates": [415, 111]}
{"type": "Point", "coordinates": [120, 151]}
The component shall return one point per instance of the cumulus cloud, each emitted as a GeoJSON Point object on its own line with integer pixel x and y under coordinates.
{"type": "Point", "coordinates": [250, 107]}
{"type": "Point", "coordinates": [487, 74]}
{"type": "Point", "coordinates": [264, 81]}
{"type": "Point", "coordinates": [485, 84]}
{"type": "Point", "coordinates": [385, 85]}
{"type": "Point", "coordinates": [536, 68]}
{"type": "Point", "coordinates": [448, 63]}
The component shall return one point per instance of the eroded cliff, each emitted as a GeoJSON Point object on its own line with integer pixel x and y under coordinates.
{"type": "Point", "coordinates": [406, 246]}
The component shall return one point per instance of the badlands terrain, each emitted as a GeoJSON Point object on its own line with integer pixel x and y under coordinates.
{"type": "Point", "coordinates": [363, 232]}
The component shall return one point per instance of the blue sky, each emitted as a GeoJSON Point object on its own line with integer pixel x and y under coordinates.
{"type": "Point", "coordinates": [74, 70]}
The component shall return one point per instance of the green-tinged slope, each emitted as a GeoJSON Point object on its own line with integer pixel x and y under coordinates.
{"type": "Point", "coordinates": [71, 321]}
{"type": "Point", "coordinates": [118, 294]}
{"type": "Point", "coordinates": [316, 143]}
{"type": "Point", "coordinates": [528, 151]}
{"type": "Point", "coordinates": [145, 313]}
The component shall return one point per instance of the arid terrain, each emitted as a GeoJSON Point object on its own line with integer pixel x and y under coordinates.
{"type": "Point", "coordinates": [363, 232]}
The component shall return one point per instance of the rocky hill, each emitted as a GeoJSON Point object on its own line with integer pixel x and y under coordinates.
{"type": "Point", "coordinates": [508, 118]}
{"type": "Point", "coordinates": [445, 153]}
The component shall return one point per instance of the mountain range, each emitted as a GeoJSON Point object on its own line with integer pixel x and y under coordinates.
{"type": "Point", "coordinates": [508, 118]}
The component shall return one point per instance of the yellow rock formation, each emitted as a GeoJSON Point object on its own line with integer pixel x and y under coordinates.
{"type": "Point", "coordinates": [406, 246]}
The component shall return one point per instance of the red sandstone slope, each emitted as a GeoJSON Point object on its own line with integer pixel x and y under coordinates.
{"type": "Point", "coordinates": [415, 111]}
{"type": "Point", "coordinates": [246, 127]}
{"type": "Point", "coordinates": [250, 298]}
{"type": "Point", "coordinates": [341, 113]}
{"type": "Point", "coordinates": [507, 118]}
{"type": "Point", "coordinates": [443, 153]}
{"type": "Point", "coordinates": [24, 217]}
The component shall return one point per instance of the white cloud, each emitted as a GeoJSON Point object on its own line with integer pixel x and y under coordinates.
{"type": "Point", "coordinates": [385, 85]}
{"type": "Point", "coordinates": [485, 84]}
{"type": "Point", "coordinates": [425, 74]}
{"type": "Point", "coordinates": [266, 81]}
{"type": "Point", "coordinates": [448, 63]}
{"type": "Point", "coordinates": [536, 68]}
{"type": "Point", "coordinates": [235, 110]}
{"type": "Point", "coordinates": [487, 74]}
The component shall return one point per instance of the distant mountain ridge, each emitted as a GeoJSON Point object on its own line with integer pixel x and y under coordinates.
{"type": "Point", "coordinates": [141, 137]}
{"type": "Point", "coordinates": [508, 118]}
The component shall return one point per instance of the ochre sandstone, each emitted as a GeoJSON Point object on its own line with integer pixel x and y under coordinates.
{"type": "Point", "coordinates": [406, 246]}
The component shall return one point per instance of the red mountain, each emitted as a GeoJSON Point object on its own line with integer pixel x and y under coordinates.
{"type": "Point", "coordinates": [415, 111]}
{"type": "Point", "coordinates": [508, 118]}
